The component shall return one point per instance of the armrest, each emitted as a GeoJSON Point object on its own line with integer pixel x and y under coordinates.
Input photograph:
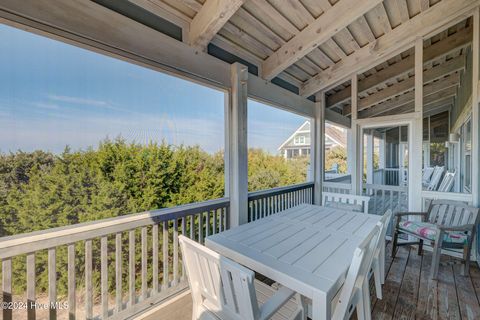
{"type": "Point", "coordinates": [268, 309]}
{"type": "Point", "coordinates": [465, 227]}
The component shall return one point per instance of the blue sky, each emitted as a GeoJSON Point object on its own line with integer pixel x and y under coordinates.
{"type": "Point", "coordinates": [53, 94]}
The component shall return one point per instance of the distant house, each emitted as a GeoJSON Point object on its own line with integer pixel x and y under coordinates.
{"type": "Point", "coordinates": [298, 144]}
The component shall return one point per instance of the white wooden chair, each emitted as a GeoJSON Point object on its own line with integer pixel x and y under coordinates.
{"type": "Point", "coordinates": [427, 174]}
{"type": "Point", "coordinates": [223, 289]}
{"type": "Point", "coordinates": [378, 264]}
{"type": "Point", "coordinates": [355, 290]}
{"type": "Point", "coordinates": [447, 182]}
{"type": "Point", "coordinates": [437, 174]}
{"type": "Point", "coordinates": [345, 201]}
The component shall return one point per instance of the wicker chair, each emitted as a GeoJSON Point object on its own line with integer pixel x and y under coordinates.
{"type": "Point", "coordinates": [446, 224]}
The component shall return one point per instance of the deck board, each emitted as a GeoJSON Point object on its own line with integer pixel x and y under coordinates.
{"type": "Point", "coordinates": [408, 292]}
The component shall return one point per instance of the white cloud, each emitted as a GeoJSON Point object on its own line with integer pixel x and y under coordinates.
{"type": "Point", "coordinates": [78, 100]}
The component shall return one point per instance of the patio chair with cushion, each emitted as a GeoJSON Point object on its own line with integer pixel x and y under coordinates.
{"type": "Point", "coordinates": [446, 224]}
{"type": "Point", "coordinates": [223, 289]}
{"type": "Point", "coordinates": [345, 201]}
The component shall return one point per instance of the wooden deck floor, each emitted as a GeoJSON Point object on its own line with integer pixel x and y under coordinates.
{"type": "Point", "coordinates": [407, 294]}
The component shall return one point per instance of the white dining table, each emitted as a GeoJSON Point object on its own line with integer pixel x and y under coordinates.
{"type": "Point", "coordinates": [306, 248]}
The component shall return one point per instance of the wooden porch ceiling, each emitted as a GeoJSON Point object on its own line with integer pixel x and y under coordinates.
{"type": "Point", "coordinates": [313, 45]}
{"type": "Point", "coordinates": [305, 46]}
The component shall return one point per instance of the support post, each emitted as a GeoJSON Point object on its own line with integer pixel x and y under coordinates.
{"type": "Point", "coordinates": [416, 134]}
{"type": "Point", "coordinates": [356, 137]}
{"type": "Point", "coordinates": [369, 152]}
{"type": "Point", "coordinates": [381, 152]}
{"type": "Point", "coordinates": [475, 108]}
{"type": "Point", "coordinates": [238, 149]}
{"type": "Point", "coordinates": [318, 144]}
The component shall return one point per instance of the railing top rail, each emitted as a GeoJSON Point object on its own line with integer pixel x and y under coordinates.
{"type": "Point", "coordinates": [386, 187]}
{"type": "Point", "coordinates": [276, 191]}
{"type": "Point", "coordinates": [466, 197]}
{"type": "Point", "coordinates": [339, 185]}
{"type": "Point", "coordinates": [30, 242]}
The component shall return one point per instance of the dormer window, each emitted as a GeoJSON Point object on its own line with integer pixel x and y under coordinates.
{"type": "Point", "coordinates": [299, 140]}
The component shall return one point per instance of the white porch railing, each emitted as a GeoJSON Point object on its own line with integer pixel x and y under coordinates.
{"type": "Point", "coordinates": [118, 267]}
{"type": "Point", "coordinates": [267, 202]}
{"type": "Point", "coordinates": [384, 197]}
{"type": "Point", "coordinates": [143, 245]}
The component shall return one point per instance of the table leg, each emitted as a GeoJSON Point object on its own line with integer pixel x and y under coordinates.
{"type": "Point", "coordinates": [321, 309]}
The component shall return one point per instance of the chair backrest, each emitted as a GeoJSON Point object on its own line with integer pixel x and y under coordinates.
{"type": "Point", "coordinates": [437, 174]}
{"type": "Point", "coordinates": [345, 201]}
{"type": "Point", "coordinates": [357, 273]}
{"type": "Point", "coordinates": [451, 213]}
{"type": "Point", "coordinates": [218, 284]}
{"type": "Point", "coordinates": [447, 182]}
{"type": "Point", "coordinates": [383, 225]}
{"type": "Point", "coordinates": [427, 174]}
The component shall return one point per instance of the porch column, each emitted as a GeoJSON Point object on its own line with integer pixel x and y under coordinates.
{"type": "Point", "coordinates": [317, 132]}
{"type": "Point", "coordinates": [350, 150]}
{"type": "Point", "coordinates": [475, 109]}
{"type": "Point", "coordinates": [369, 155]}
{"type": "Point", "coordinates": [381, 151]}
{"type": "Point", "coordinates": [238, 149]}
{"type": "Point", "coordinates": [416, 134]}
{"type": "Point", "coordinates": [357, 147]}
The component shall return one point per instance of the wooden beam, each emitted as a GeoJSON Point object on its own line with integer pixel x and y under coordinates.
{"type": "Point", "coordinates": [319, 31]}
{"type": "Point", "coordinates": [390, 44]}
{"type": "Point", "coordinates": [435, 73]}
{"type": "Point", "coordinates": [437, 50]}
{"type": "Point", "coordinates": [429, 101]}
{"type": "Point", "coordinates": [429, 89]}
{"type": "Point", "coordinates": [210, 19]}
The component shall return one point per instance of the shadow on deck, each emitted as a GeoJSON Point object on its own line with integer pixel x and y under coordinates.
{"type": "Point", "coordinates": [407, 294]}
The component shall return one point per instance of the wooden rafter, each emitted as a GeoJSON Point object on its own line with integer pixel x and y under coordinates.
{"type": "Point", "coordinates": [436, 90]}
{"type": "Point", "coordinates": [389, 44]}
{"type": "Point", "coordinates": [315, 34]}
{"type": "Point", "coordinates": [210, 19]}
{"type": "Point", "coordinates": [451, 66]}
{"type": "Point", "coordinates": [433, 52]}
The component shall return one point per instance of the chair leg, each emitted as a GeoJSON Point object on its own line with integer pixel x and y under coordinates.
{"type": "Point", "coordinates": [420, 247]}
{"type": "Point", "coordinates": [360, 307]}
{"type": "Point", "coordinates": [382, 264]}
{"type": "Point", "coordinates": [378, 278]}
{"type": "Point", "coordinates": [394, 243]}
{"type": "Point", "coordinates": [437, 250]}
{"type": "Point", "coordinates": [367, 310]}
{"type": "Point", "coordinates": [466, 260]}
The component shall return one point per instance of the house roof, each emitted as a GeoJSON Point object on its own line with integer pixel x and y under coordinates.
{"type": "Point", "coordinates": [331, 132]}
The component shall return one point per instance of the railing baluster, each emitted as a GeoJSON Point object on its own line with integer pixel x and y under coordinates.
{"type": "Point", "coordinates": [215, 214]}
{"type": "Point", "coordinates": [118, 272]}
{"type": "Point", "coordinates": [207, 227]}
{"type": "Point", "coordinates": [52, 282]}
{"type": "Point", "coordinates": [88, 280]}
{"type": "Point", "coordinates": [71, 283]}
{"type": "Point", "coordinates": [155, 258]}
{"type": "Point", "coordinates": [131, 268]}
{"type": "Point", "coordinates": [165, 284]}
{"type": "Point", "coordinates": [192, 227]}
{"type": "Point", "coordinates": [144, 262]}
{"type": "Point", "coordinates": [104, 275]}
{"type": "Point", "coordinates": [31, 286]}
{"type": "Point", "coordinates": [184, 232]}
{"type": "Point", "coordinates": [175, 250]}
{"type": "Point", "coordinates": [200, 227]}
{"type": "Point", "coordinates": [7, 287]}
